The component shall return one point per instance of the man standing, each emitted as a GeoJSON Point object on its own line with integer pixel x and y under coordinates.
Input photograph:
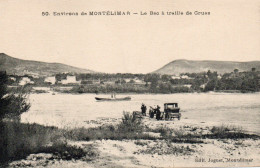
{"type": "Point", "coordinates": [143, 109]}
{"type": "Point", "coordinates": [158, 113]}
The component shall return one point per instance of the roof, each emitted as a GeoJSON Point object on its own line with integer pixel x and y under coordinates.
{"type": "Point", "coordinates": [171, 103]}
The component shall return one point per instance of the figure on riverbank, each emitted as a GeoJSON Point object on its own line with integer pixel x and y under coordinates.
{"type": "Point", "coordinates": [158, 113]}
{"type": "Point", "coordinates": [151, 112]}
{"type": "Point", "coordinates": [143, 109]}
{"type": "Point", "coordinates": [113, 95]}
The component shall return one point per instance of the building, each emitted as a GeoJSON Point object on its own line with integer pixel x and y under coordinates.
{"type": "Point", "coordinates": [25, 80]}
{"type": "Point", "coordinates": [185, 77]}
{"type": "Point", "coordinates": [12, 78]}
{"type": "Point", "coordinates": [203, 86]}
{"type": "Point", "coordinates": [50, 80]}
{"type": "Point", "coordinates": [175, 77]}
{"type": "Point", "coordinates": [70, 79]}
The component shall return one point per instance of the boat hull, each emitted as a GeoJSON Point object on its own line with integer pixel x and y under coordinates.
{"type": "Point", "coordinates": [113, 99]}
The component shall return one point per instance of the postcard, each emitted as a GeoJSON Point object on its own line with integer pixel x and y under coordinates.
{"type": "Point", "coordinates": [140, 83]}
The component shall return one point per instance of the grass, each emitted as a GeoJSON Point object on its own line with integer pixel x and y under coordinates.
{"type": "Point", "coordinates": [141, 143]}
{"type": "Point", "coordinates": [166, 148]}
{"type": "Point", "coordinates": [18, 140]}
{"type": "Point", "coordinates": [177, 135]}
{"type": "Point", "coordinates": [130, 127]}
{"type": "Point", "coordinates": [181, 135]}
{"type": "Point", "coordinates": [229, 132]}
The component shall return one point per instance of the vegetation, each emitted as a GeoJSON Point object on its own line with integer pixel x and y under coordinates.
{"type": "Point", "coordinates": [124, 88]}
{"type": "Point", "coordinates": [166, 148]}
{"type": "Point", "coordinates": [130, 127]}
{"type": "Point", "coordinates": [189, 135]}
{"type": "Point", "coordinates": [18, 140]}
{"type": "Point", "coordinates": [229, 132]}
{"type": "Point", "coordinates": [12, 103]}
{"type": "Point", "coordinates": [155, 83]}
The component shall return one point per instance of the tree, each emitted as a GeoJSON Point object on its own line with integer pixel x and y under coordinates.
{"type": "Point", "coordinates": [166, 78]}
{"type": "Point", "coordinates": [12, 103]}
{"type": "Point", "coordinates": [131, 81]}
{"type": "Point", "coordinates": [123, 81]}
{"type": "Point", "coordinates": [235, 71]}
{"type": "Point", "coordinates": [153, 78]}
{"type": "Point", "coordinates": [211, 85]}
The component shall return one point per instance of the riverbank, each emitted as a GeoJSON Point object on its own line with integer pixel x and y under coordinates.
{"type": "Point", "coordinates": [146, 143]}
{"type": "Point", "coordinates": [144, 90]}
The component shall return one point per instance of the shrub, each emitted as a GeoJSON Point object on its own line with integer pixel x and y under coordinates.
{"type": "Point", "coordinates": [19, 140]}
{"type": "Point", "coordinates": [229, 132]}
{"type": "Point", "coordinates": [12, 103]}
{"type": "Point", "coordinates": [130, 127]}
{"type": "Point", "coordinates": [166, 148]}
{"type": "Point", "coordinates": [130, 123]}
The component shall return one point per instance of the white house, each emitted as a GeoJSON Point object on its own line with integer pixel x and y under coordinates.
{"type": "Point", "coordinates": [70, 79]}
{"type": "Point", "coordinates": [203, 86]}
{"type": "Point", "coordinates": [187, 85]}
{"type": "Point", "coordinates": [185, 77]}
{"type": "Point", "coordinates": [139, 82]}
{"type": "Point", "coordinates": [12, 78]}
{"type": "Point", "coordinates": [175, 77]}
{"type": "Point", "coordinates": [50, 79]}
{"type": "Point", "coordinates": [25, 80]}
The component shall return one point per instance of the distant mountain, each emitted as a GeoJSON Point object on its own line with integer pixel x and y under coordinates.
{"type": "Point", "coordinates": [187, 66]}
{"type": "Point", "coordinates": [21, 67]}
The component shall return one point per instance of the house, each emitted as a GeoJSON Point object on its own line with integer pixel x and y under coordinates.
{"type": "Point", "coordinates": [70, 79]}
{"type": "Point", "coordinates": [187, 85]}
{"type": "Point", "coordinates": [203, 86]}
{"type": "Point", "coordinates": [185, 77]}
{"type": "Point", "coordinates": [25, 80]}
{"type": "Point", "coordinates": [50, 80]}
{"type": "Point", "coordinates": [12, 78]}
{"type": "Point", "coordinates": [139, 82]}
{"type": "Point", "coordinates": [127, 80]}
{"type": "Point", "coordinates": [175, 77]}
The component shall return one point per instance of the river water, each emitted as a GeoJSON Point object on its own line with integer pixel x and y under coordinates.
{"type": "Point", "coordinates": [66, 110]}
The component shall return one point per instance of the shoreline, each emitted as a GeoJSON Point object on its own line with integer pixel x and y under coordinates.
{"type": "Point", "coordinates": [157, 151]}
{"type": "Point", "coordinates": [145, 93]}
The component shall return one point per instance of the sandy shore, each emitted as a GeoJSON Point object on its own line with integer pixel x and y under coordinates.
{"type": "Point", "coordinates": [158, 153]}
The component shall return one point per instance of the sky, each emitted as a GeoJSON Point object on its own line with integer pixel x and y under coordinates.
{"type": "Point", "coordinates": [130, 44]}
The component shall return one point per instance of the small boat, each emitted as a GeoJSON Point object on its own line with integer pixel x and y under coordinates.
{"type": "Point", "coordinates": [113, 99]}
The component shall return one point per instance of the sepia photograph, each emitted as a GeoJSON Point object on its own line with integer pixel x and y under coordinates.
{"type": "Point", "coordinates": [129, 84]}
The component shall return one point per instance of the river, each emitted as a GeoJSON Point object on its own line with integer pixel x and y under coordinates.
{"type": "Point", "coordinates": [67, 110]}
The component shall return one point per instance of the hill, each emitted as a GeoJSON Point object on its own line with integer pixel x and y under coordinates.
{"type": "Point", "coordinates": [187, 66]}
{"type": "Point", "coordinates": [21, 67]}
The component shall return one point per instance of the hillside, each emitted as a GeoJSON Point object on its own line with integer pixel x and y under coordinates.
{"type": "Point", "coordinates": [21, 67]}
{"type": "Point", "coordinates": [183, 66]}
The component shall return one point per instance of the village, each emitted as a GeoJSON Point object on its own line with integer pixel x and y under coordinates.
{"type": "Point", "coordinates": [67, 78]}
{"type": "Point", "coordinates": [142, 83]}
